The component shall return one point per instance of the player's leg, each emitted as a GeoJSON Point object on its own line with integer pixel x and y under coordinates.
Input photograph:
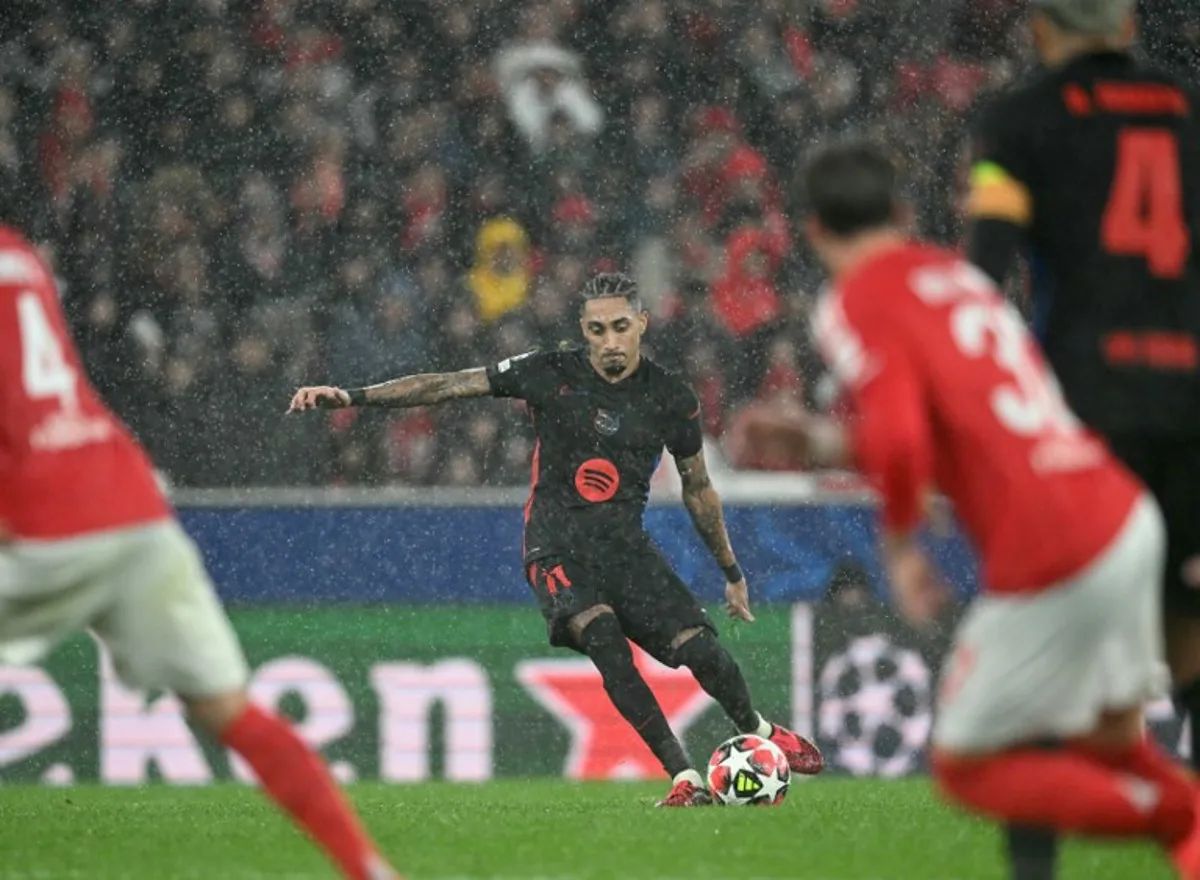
{"type": "Point", "coordinates": [1180, 500]}
{"type": "Point", "coordinates": [165, 629]}
{"type": "Point", "coordinates": [660, 613]}
{"type": "Point", "coordinates": [47, 593]}
{"type": "Point", "coordinates": [578, 618]}
{"type": "Point", "coordinates": [1128, 791]}
{"type": "Point", "coordinates": [1171, 470]}
{"type": "Point", "coordinates": [1074, 665]}
{"type": "Point", "coordinates": [699, 649]}
{"type": "Point", "coordinates": [1031, 852]}
{"type": "Point", "coordinates": [1183, 655]}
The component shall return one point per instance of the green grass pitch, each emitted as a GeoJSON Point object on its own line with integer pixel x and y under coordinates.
{"type": "Point", "coordinates": [827, 830]}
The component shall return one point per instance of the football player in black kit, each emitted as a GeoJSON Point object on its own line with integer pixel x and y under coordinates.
{"type": "Point", "coordinates": [602, 415]}
{"type": "Point", "coordinates": [1092, 168]}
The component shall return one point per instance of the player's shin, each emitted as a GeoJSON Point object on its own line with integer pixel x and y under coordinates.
{"type": "Point", "coordinates": [718, 673]}
{"type": "Point", "coordinates": [1032, 852]}
{"type": "Point", "coordinates": [297, 780]}
{"type": "Point", "coordinates": [605, 644]}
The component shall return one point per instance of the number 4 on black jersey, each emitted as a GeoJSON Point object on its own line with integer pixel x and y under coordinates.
{"type": "Point", "coordinates": [1097, 164]}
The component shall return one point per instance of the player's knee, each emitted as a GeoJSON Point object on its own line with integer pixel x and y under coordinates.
{"type": "Point", "coordinates": [215, 713]}
{"type": "Point", "coordinates": [604, 642]}
{"type": "Point", "coordinates": [584, 619]}
{"type": "Point", "coordinates": [703, 652]}
{"type": "Point", "coordinates": [686, 636]}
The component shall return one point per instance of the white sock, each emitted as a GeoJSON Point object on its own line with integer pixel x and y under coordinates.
{"type": "Point", "coordinates": [764, 728]}
{"type": "Point", "coordinates": [692, 776]}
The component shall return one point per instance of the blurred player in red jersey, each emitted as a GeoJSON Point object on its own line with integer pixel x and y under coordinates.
{"type": "Point", "coordinates": [949, 390]}
{"type": "Point", "coordinates": [87, 541]}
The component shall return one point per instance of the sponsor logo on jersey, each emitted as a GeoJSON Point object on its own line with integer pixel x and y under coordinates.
{"type": "Point", "coordinates": [68, 429]}
{"type": "Point", "coordinates": [597, 480]}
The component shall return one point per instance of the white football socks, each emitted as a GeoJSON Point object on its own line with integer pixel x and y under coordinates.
{"type": "Point", "coordinates": [692, 776]}
{"type": "Point", "coordinates": [765, 728]}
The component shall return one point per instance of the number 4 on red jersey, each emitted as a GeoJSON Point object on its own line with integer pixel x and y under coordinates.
{"type": "Point", "coordinates": [68, 465]}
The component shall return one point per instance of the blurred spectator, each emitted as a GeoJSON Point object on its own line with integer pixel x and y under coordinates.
{"type": "Point", "coordinates": [542, 80]}
{"type": "Point", "coordinates": [747, 305]}
{"type": "Point", "coordinates": [240, 196]}
{"type": "Point", "coordinates": [850, 588]}
{"type": "Point", "coordinates": [501, 277]}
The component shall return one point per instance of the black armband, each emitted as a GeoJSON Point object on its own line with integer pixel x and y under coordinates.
{"type": "Point", "coordinates": [358, 396]}
{"type": "Point", "coordinates": [733, 573]}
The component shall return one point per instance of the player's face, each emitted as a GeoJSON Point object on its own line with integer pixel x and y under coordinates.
{"type": "Point", "coordinates": [613, 329]}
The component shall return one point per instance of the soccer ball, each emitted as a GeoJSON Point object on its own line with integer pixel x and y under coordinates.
{"type": "Point", "coordinates": [748, 770]}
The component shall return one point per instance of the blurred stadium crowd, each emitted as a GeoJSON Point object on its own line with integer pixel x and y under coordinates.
{"type": "Point", "coordinates": [240, 196]}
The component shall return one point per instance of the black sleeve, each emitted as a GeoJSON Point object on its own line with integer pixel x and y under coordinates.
{"type": "Point", "coordinates": [522, 376]}
{"type": "Point", "coordinates": [685, 436]}
{"type": "Point", "coordinates": [1003, 151]}
{"type": "Point", "coordinates": [992, 245]}
{"type": "Point", "coordinates": [1002, 135]}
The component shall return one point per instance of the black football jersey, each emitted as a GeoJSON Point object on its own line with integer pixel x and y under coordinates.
{"type": "Point", "coordinates": [1108, 149]}
{"type": "Point", "coordinates": [598, 444]}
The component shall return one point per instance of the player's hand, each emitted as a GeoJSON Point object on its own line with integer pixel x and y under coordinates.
{"type": "Point", "coordinates": [939, 515]}
{"type": "Point", "coordinates": [318, 397]}
{"type": "Point", "coordinates": [814, 441]}
{"type": "Point", "coordinates": [737, 601]}
{"type": "Point", "coordinates": [920, 595]}
{"type": "Point", "coordinates": [827, 445]}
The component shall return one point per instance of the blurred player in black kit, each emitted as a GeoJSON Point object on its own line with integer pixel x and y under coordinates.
{"type": "Point", "coordinates": [1092, 167]}
{"type": "Point", "coordinates": [602, 415]}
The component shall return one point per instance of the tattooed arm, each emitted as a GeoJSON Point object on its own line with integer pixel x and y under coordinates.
{"type": "Point", "coordinates": [704, 505]}
{"type": "Point", "coordinates": [420, 390]}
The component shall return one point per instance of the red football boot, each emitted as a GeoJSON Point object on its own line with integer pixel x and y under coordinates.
{"type": "Point", "coordinates": [686, 793]}
{"type": "Point", "coordinates": [802, 755]}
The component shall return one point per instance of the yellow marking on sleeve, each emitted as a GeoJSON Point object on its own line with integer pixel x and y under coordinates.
{"type": "Point", "coordinates": [988, 172]}
{"type": "Point", "coordinates": [997, 195]}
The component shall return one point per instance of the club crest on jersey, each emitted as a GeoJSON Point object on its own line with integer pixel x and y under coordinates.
{"type": "Point", "coordinates": [606, 423]}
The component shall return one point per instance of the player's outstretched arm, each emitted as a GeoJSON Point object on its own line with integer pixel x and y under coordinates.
{"type": "Point", "coordinates": [704, 505]}
{"type": "Point", "coordinates": [423, 389]}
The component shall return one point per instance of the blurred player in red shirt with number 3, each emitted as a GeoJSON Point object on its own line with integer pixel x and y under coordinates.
{"type": "Point", "coordinates": [949, 390]}
{"type": "Point", "coordinates": [87, 541]}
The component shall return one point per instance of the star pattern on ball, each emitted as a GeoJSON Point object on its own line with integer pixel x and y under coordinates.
{"type": "Point", "coordinates": [772, 785]}
{"type": "Point", "coordinates": [740, 760]}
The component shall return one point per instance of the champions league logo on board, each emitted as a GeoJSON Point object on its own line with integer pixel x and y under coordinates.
{"type": "Point", "coordinates": [607, 423]}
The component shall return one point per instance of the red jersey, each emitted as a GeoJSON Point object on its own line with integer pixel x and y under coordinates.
{"type": "Point", "coordinates": [950, 390]}
{"type": "Point", "coordinates": [68, 467]}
